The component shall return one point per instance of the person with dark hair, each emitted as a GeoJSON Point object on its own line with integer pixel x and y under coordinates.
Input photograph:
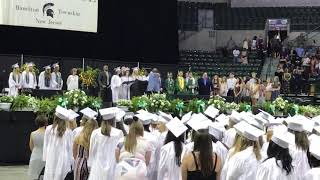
{"type": "Point", "coordinates": [36, 164]}
{"type": "Point", "coordinates": [104, 80]}
{"type": "Point", "coordinates": [314, 159]}
{"type": "Point", "coordinates": [103, 143]}
{"type": "Point", "coordinates": [172, 151]}
{"type": "Point", "coordinates": [278, 165]}
{"type": "Point", "coordinates": [57, 146]}
{"type": "Point", "coordinates": [301, 147]}
{"type": "Point", "coordinates": [201, 163]}
{"type": "Point", "coordinates": [205, 85]}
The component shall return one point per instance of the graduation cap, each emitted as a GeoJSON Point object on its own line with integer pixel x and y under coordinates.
{"type": "Point", "coordinates": [252, 121]}
{"type": "Point", "coordinates": [63, 113]}
{"type": "Point", "coordinates": [47, 67]}
{"type": "Point", "coordinates": [30, 64]}
{"type": "Point", "coordinates": [241, 127]}
{"type": "Point", "coordinates": [199, 121]}
{"type": "Point", "coordinates": [211, 112]}
{"type": "Point", "coordinates": [120, 114]}
{"type": "Point", "coordinates": [73, 115]}
{"type": "Point", "coordinates": [223, 119]}
{"type": "Point", "coordinates": [185, 118]}
{"type": "Point", "coordinates": [216, 129]}
{"type": "Point", "coordinates": [314, 147]}
{"type": "Point", "coordinates": [165, 115]}
{"type": "Point", "coordinates": [88, 113]}
{"type": "Point", "coordinates": [176, 127]}
{"type": "Point", "coordinates": [55, 65]}
{"type": "Point", "coordinates": [145, 118]}
{"type": "Point", "coordinates": [108, 113]}
{"type": "Point", "coordinates": [308, 124]}
{"type": "Point", "coordinates": [252, 133]}
{"type": "Point", "coordinates": [317, 129]}
{"type": "Point", "coordinates": [15, 65]}
{"type": "Point", "coordinates": [235, 116]}
{"type": "Point", "coordinates": [296, 124]}
{"type": "Point", "coordinates": [117, 69]}
{"type": "Point", "coordinates": [264, 114]}
{"type": "Point", "coordinates": [316, 120]}
{"type": "Point", "coordinates": [284, 139]}
{"type": "Point", "coordinates": [135, 68]}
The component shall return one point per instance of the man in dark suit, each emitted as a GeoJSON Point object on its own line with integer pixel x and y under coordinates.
{"type": "Point", "coordinates": [205, 85]}
{"type": "Point", "coordinates": [104, 80]}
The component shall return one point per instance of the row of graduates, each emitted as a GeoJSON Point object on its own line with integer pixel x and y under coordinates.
{"type": "Point", "coordinates": [180, 85]}
{"type": "Point", "coordinates": [28, 80]}
{"type": "Point", "coordinates": [149, 146]}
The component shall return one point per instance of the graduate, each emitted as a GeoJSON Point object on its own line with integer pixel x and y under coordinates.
{"type": "Point", "coordinates": [125, 88]}
{"type": "Point", "coordinates": [87, 114]}
{"type": "Point", "coordinates": [278, 164]}
{"type": "Point", "coordinates": [56, 77]}
{"type": "Point", "coordinates": [57, 149]}
{"type": "Point", "coordinates": [172, 151]}
{"type": "Point", "coordinates": [103, 142]}
{"type": "Point", "coordinates": [73, 80]}
{"type": "Point", "coordinates": [115, 85]}
{"type": "Point", "coordinates": [14, 81]}
{"type": "Point", "coordinates": [29, 79]}
{"type": "Point", "coordinates": [243, 164]}
{"type": "Point", "coordinates": [314, 159]}
{"type": "Point", "coordinates": [230, 134]}
{"type": "Point", "coordinates": [299, 150]}
{"type": "Point", "coordinates": [152, 139]}
{"type": "Point", "coordinates": [45, 79]}
{"type": "Point", "coordinates": [169, 84]}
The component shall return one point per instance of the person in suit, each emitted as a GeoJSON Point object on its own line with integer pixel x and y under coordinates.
{"type": "Point", "coordinates": [104, 80]}
{"type": "Point", "coordinates": [205, 85]}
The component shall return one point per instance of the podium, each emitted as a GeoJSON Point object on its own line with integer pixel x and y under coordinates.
{"type": "Point", "coordinates": [138, 88]}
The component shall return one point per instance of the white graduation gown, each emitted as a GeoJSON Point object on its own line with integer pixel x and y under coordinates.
{"type": "Point", "coordinates": [76, 132]}
{"type": "Point", "coordinates": [264, 150]}
{"type": "Point", "coordinates": [269, 170]}
{"type": "Point", "coordinates": [243, 165]}
{"type": "Point", "coordinates": [13, 89]}
{"type": "Point", "coordinates": [42, 82]}
{"type": "Point", "coordinates": [72, 82]}
{"type": "Point", "coordinates": [222, 152]}
{"type": "Point", "coordinates": [32, 80]}
{"type": "Point", "coordinates": [299, 161]}
{"type": "Point", "coordinates": [115, 87]}
{"type": "Point", "coordinates": [168, 168]}
{"type": "Point", "coordinates": [153, 163]}
{"type": "Point", "coordinates": [102, 160]}
{"type": "Point", "coordinates": [312, 174]}
{"type": "Point", "coordinates": [125, 88]}
{"type": "Point", "coordinates": [56, 85]}
{"type": "Point", "coordinates": [229, 137]}
{"type": "Point", "coordinates": [225, 166]}
{"type": "Point", "coordinates": [57, 153]}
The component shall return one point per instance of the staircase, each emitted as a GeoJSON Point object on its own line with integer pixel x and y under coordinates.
{"type": "Point", "coordinates": [269, 68]}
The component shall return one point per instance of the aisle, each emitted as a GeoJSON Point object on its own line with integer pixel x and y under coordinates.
{"type": "Point", "coordinates": [13, 172]}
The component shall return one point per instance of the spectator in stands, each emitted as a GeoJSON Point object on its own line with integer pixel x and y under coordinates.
{"type": "Point", "coordinates": [300, 51]}
{"type": "Point", "coordinates": [205, 85]}
{"type": "Point", "coordinates": [223, 86]}
{"type": "Point", "coordinates": [313, 64]}
{"type": "Point", "coordinates": [254, 92]}
{"type": "Point", "coordinates": [275, 88]}
{"type": "Point", "coordinates": [244, 57]}
{"type": "Point", "coordinates": [262, 90]}
{"type": "Point", "coordinates": [306, 60]}
{"type": "Point", "coordinates": [215, 84]}
{"type": "Point", "coordinates": [297, 79]}
{"type": "Point", "coordinates": [231, 44]}
{"type": "Point", "coordinates": [238, 90]}
{"type": "Point", "coordinates": [236, 53]}
{"type": "Point", "coordinates": [286, 81]}
{"type": "Point", "coordinates": [283, 55]}
{"type": "Point", "coordinates": [254, 43]}
{"type": "Point", "coordinates": [231, 84]}
{"type": "Point", "coordinates": [268, 89]}
{"type": "Point", "coordinates": [245, 44]}
{"type": "Point", "coordinates": [260, 42]}
{"type": "Point", "coordinates": [279, 72]}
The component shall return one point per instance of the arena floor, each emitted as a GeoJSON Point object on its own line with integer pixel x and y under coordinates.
{"type": "Point", "coordinates": [13, 172]}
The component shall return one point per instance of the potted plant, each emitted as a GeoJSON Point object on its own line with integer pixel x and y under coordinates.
{"type": "Point", "coordinates": [280, 105]}
{"type": "Point", "coordinates": [88, 79]}
{"type": "Point", "coordinates": [217, 102]}
{"type": "Point", "coordinates": [94, 102]}
{"type": "Point", "coordinates": [158, 102]}
{"type": "Point", "coordinates": [5, 102]}
{"type": "Point", "coordinates": [178, 107]}
{"type": "Point", "coordinates": [139, 102]}
{"type": "Point", "coordinates": [47, 106]}
{"type": "Point", "coordinates": [196, 106]}
{"type": "Point", "coordinates": [25, 103]}
{"type": "Point", "coordinates": [124, 104]}
{"type": "Point", "coordinates": [228, 107]}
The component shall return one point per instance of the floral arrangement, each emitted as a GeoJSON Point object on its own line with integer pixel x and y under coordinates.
{"type": "Point", "coordinates": [6, 99]}
{"type": "Point", "coordinates": [280, 104]}
{"type": "Point", "coordinates": [177, 107]}
{"type": "Point", "coordinates": [47, 106]}
{"type": "Point", "coordinates": [245, 107]}
{"type": "Point", "coordinates": [88, 77]}
{"type": "Point", "coordinates": [292, 109]}
{"type": "Point", "coordinates": [21, 102]}
{"type": "Point", "coordinates": [140, 102]}
{"type": "Point", "coordinates": [269, 107]}
{"type": "Point", "coordinates": [158, 102]}
{"type": "Point", "coordinates": [312, 110]}
{"type": "Point", "coordinates": [73, 99]}
{"type": "Point", "coordinates": [217, 101]}
{"type": "Point", "coordinates": [196, 106]}
{"type": "Point", "coordinates": [94, 102]}
{"type": "Point", "coordinates": [124, 102]}
{"type": "Point", "coordinates": [228, 107]}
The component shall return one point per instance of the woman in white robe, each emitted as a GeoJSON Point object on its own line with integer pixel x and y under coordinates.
{"type": "Point", "coordinates": [115, 85]}
{"type": "Point", "coordinates": [171, 155]}
{"type": "Point", "coordinates": [314, 160]}
{"type": "Point", "coordinates": [14, 81]}
{"type": "Point", "coordinates": [278, 164]}
{"type": "Point", "coordinates": [45, 79]}
{"type": "Point", "coordinates": [29, 79]}
{"type": "Point", "coordinates": [73, 80]}
{"type": "Point", "coordinates": [56, 77]}
{"type": "Point", "coordinates": [125, 88]}
{"type": "Point", "coordinates": [243, 165]}
{"type": "Point", "coordinates": [57, 150]}
{"type": "Point", "coordinates": [103, 143]}
{"type": "Point", "coordinates": [299, 150]}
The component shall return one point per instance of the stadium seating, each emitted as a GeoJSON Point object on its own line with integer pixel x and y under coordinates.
{"type": "Point", "coordinates": [215, 63]}
{"type": "Point", "coordinates": [227, 18]}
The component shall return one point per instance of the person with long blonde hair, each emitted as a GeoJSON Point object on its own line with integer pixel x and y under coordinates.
{"type": "Point", "coordinates": [81, 147]}
{"type": "Point", "coordinates": [134, 148]}
{"type": "Point", "coordinates": [103, 143]}
{"type": "Point", "coordinates": [223, 86]}
{"type": "Point", "coordinates": [57, 148]}
{"type": "Point", "coordinates": [14, 81]}
{"type": "Point", "coordinates": [244, 163]}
